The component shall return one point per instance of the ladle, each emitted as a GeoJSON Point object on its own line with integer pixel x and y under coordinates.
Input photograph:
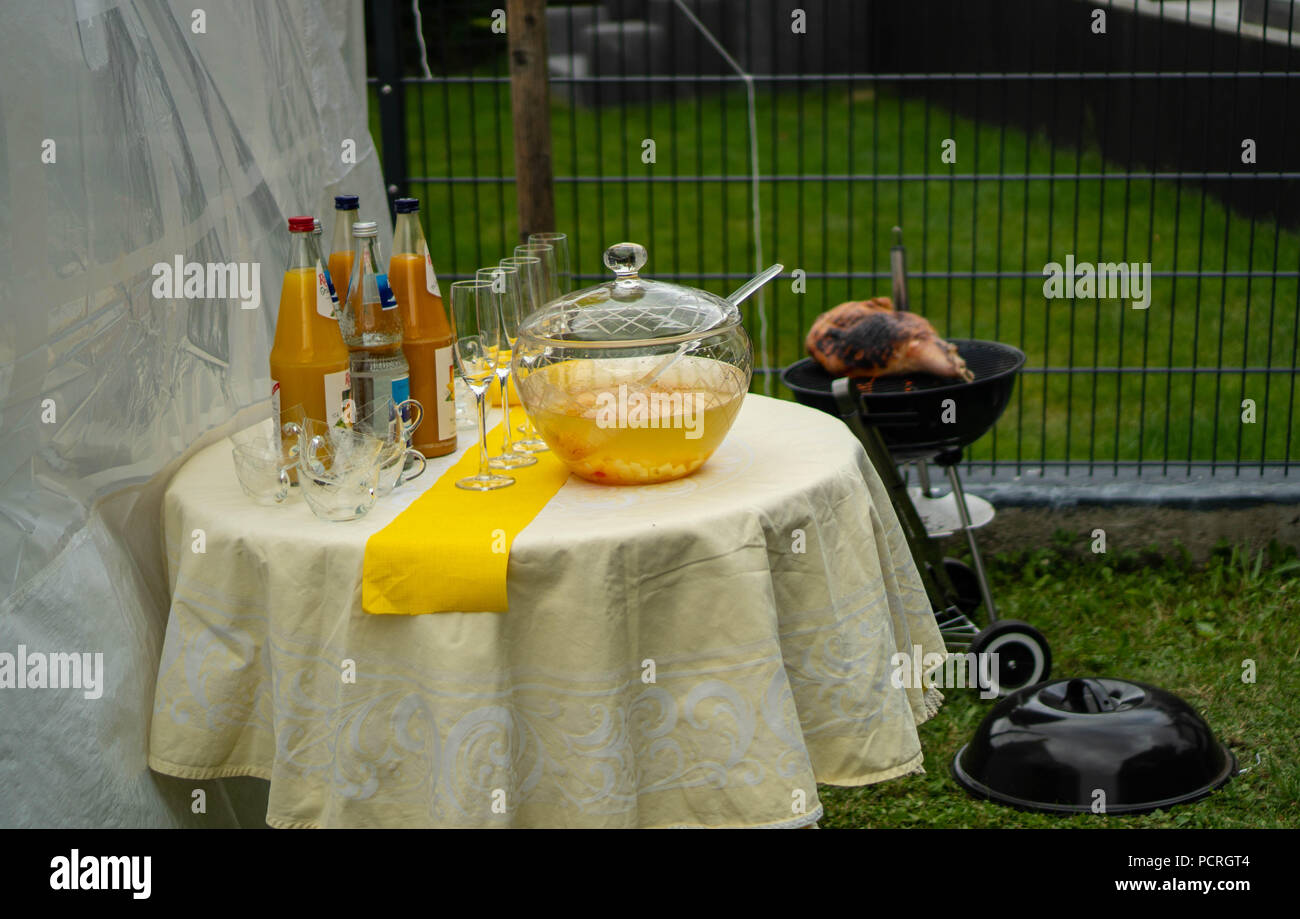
{"type": "Point", "coordinates": [739, 296]}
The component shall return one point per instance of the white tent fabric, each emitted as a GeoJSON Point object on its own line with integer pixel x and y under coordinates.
{"type": "Point", "coordinates": [130, 138]}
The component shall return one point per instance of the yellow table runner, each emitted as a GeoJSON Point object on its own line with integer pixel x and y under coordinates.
{"type": "Point", "coordinates": [448, 551]}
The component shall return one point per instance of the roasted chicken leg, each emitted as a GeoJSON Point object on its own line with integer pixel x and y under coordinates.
{"type": "Point", "coordinates": [868, 338]}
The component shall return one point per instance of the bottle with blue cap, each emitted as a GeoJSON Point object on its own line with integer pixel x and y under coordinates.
{"type": "Point", "coordinates": [346, 213]}
{"type": "Point", "coordinates": [371, 325]}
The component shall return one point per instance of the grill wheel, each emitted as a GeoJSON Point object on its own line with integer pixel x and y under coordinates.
{"type": "Point", "coordinates": [1024, 657]}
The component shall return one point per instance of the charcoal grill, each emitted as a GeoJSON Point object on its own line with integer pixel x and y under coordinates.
{"type": "Point", "coordinates": [919, 418]}
{"type": "Point", "coordinates": [910, 410]}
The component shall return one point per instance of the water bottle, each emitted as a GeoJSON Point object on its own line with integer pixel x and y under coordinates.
{"type": "Point", "coordinates": [372, 329]}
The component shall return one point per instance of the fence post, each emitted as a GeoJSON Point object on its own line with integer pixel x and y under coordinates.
{"type": "Point", "coordinates": [392, 98]}
{"type": "Point", "coordinates": [530, 106]}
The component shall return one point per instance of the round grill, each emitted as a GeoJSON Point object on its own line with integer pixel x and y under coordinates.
{"type": "Point", "coordinates": [985, 359]}
{"type": "Point", "coordinates": [910, 410]}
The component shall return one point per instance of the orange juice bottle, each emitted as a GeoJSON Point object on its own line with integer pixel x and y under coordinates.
{"type": "Point", "coordinates": [426, 333]}
{"type": "Point", "coordinates": [340, 260]}
{"type": "Point", "coordinates": [309, 361]}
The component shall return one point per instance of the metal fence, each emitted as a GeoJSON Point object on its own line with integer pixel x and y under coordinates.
{"type": "Point", "coordinates": [1003, 136]}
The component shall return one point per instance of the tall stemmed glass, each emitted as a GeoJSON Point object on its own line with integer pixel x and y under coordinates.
{"type": "Point", "coordinates": [476, 322]}
{"type": "Point", "coordinates": [563, 266]}
{"type": "Point", "coordinates": [550, 288]}
{"type": "Point", "coordinates": [531, 296]}
{"type": "Point", "coordinates": [505, 284]}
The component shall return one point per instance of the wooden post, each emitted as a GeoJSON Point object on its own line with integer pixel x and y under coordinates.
{"type": "Point", "coordinates": [530, 106]}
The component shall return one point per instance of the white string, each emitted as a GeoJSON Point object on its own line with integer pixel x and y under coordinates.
{"type": "Point", "coordinates": [754, 188]}
{"type": "Point", "coordinates": [419, 36]}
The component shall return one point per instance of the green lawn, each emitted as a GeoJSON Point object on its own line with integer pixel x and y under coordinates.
{"type": "Point", "coordinates": [461, 130]}
{"type": "Point", "coordinates": [1160, 620]}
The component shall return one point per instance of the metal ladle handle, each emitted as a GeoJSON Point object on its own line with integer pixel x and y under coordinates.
{"type": "Point", "coordinates": [741, 294]}
{"type": "Point", "coordinates": [745, 290]}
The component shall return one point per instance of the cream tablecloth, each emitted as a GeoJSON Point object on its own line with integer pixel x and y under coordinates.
{"type": "Point", "coordinates": [697, 653]}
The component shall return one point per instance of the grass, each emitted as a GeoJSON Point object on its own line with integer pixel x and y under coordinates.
{"type": "Point", "coordinates": [1159, 619]}
{"type": "Point", "coordinates": [463, 130]}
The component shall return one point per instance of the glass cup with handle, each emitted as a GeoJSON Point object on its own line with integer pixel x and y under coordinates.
{"type": "Point", "coordinates": [338, 470]}
{"type": "Point", "coordinates": [531, 296]}
{"type": "Point", "coordinates": [563, 266]}
{"type": "Point", "coordinates": [266, 458]}
{"type": "Point", "coordinates": [263, 473]}
{"type": "Point", "coordinates": [476, 322]}
{"type": "Point", "coordinates": [505, 284]}
{"type": "Point", "coordinates": [399, 462]}
{"type": "Point", "coordinates": [264, 436]}
{"type": "Point", "coordinates": [550, 282]}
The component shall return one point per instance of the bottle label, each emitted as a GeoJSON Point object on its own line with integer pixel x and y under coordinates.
{"type": "Point", "coordinates": [430, 279]}
{"type": "Point", "coordinates": [445, 373]}
{"type": "Point", "coordinates": [386, 299]}
{"type": "Point", "coordinates": [338, 399]}
{"type": "Point", "coordinates": [275, 400]}
{"type": "Point", "coordinates": [325, 296]}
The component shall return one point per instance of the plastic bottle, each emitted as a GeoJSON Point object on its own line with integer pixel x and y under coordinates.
{"type": "Point", "coordinates": [426, 333]}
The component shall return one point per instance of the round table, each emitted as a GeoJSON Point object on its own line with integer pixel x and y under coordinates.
{"type": "Point", "coordinates": [697, 653]}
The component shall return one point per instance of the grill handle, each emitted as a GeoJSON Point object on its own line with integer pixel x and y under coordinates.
{"type": "Point", "coordinates": [898, 270]}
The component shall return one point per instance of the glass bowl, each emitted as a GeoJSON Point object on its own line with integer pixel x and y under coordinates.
{"type": "Point", "coordinates": [633, 381]}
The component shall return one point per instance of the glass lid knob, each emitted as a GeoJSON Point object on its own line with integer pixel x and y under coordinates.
{"type": "Point", "coordinates": [625, 259]}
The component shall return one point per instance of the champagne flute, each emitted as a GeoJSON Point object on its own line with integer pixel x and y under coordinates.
{"type": "Point", "coordinates": [476, 327]}
{"type": "Point", "coordinates": [531, 296]}
{"type": "Point", "coordinates": [563, 266]}
{"type": "Point", "coordinates": [550, 287]}
{"type": "Point", "coordinates": [505, 284]}
{"type": "Point", "coordinates": [532, 287]}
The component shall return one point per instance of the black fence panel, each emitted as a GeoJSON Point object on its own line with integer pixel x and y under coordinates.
{"type": "Point", "coordinates": [1007, 138]}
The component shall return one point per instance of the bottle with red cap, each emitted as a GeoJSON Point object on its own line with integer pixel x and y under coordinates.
{"type": "Point", "coordinates": [309, 361]}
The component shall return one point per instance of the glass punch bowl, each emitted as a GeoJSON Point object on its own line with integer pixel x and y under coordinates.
{"type": "Point", "coordinates": [633, 381]}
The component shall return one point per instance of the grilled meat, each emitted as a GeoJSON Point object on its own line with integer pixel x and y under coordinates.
{"type": "Point", "coordinates": [867, 339]}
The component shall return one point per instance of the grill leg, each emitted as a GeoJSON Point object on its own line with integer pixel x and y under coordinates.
{"type": "Point", "coordinates": [925, 552]}
{"type": "Point", "coordinates": [955, 480]}
{"type": "Point", "coordinates": [923, 475]}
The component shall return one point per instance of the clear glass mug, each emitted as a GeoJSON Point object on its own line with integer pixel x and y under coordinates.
{"type": "Point", "coordinates": [338, 472]}
{"type": "Point", "coordinates": [265, 459]}
{"type": "Point", "coordinates": [263, 473]}
{"type": "Point", "coordinates": [390, 420]}
{"type": "Point", "coordinates": [397, 459]}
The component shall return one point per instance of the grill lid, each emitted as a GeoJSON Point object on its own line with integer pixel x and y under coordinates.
{"type": "Point", "coordinates": [1067, 746]}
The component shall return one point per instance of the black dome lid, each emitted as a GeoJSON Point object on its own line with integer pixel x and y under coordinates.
{"type": "Point", "coordinates": [1049, 747]}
